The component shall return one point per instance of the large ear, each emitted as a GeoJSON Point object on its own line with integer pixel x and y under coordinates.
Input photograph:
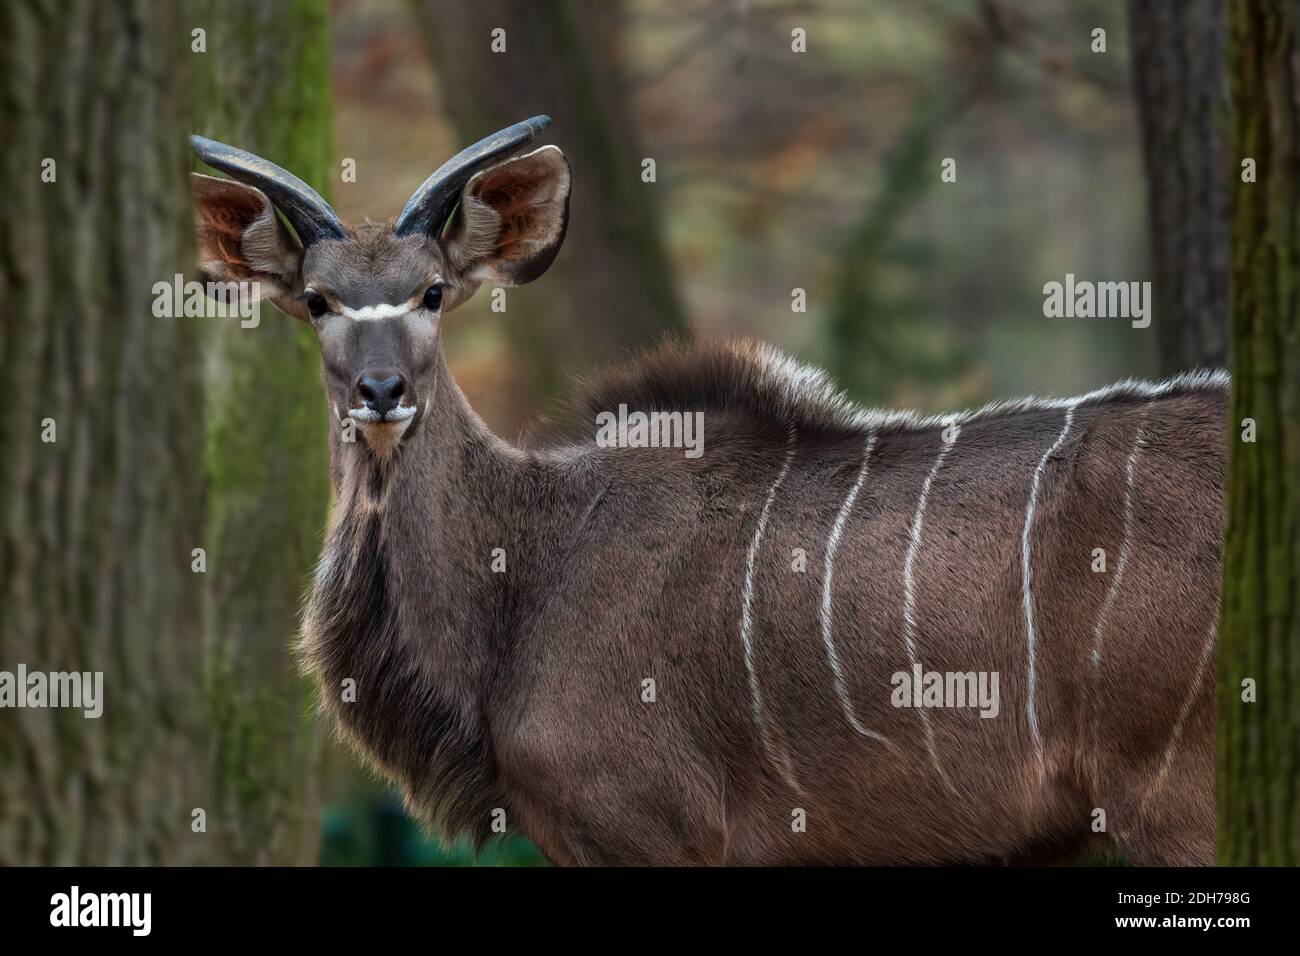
{"type": "Point", "coordinates": [511, 220]}
{"type": "Point", "coordinates": [241, 239]}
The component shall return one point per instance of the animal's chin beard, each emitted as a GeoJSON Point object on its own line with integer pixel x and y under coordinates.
{"type": "Point", "coordinates": [384, 438]}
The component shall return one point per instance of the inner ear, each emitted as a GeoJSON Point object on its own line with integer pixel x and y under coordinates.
{"type": "Point", "coordinates": [242, 239]}
{"type": "Point", "coordinates": [512, 219]}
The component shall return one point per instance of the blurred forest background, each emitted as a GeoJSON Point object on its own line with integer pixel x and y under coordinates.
{"type": "Point", "coordinates": [776, 171]}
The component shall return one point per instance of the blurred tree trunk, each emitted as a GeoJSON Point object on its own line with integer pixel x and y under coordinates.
{"type": "Point", "coordinates": [1180, 81]}
{"type": "Point", "coordinates": [1259, 743]}
{"type": "Point", "coordinates": [264, 86]}
{"type": "Point", "coordinates": [98, 525]}
{"type": "Point", "coordinates": [201, 708]}
{"type": "Point", "coordinates": [612, 286]}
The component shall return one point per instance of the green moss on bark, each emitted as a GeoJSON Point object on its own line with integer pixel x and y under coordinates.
{"type": "Point", "coordinates": [1259, 743]}
{"type": "Point", "coordinates": [265, 87]}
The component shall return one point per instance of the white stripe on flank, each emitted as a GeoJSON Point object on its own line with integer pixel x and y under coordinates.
{"type": "Point", "coordinates": [832, 545]}
{"type": "Point", "coordinates": [1031, 710]}
{"type": "Point", "coordinates": [909, 592]}
{"type": "Point", "coordinates": [775, 753]}
{"type": "Point", "coordinates": [1126, 543]}
{"type": "Point", "coordinates": [376, 311]}
{"type": "Point", "coordinates": [1177, 731]}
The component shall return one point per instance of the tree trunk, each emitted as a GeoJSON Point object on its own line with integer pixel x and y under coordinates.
{"type": "Point", "coordinates": [201, 708]}
{"type": "Point", "coordinates": [1259, 743]}
{"type": "Point", "coordinates": [98, 525]}
{"type": "Point", "coordinates": [264, 86]}
{"type": "Point", "coordinates": [1180, 81]}
{"type": "Point", "coordinates": [611, 287]}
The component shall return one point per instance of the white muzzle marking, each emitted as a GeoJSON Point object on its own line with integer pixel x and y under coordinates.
{"type": "Point", "coordinates": [368, 416]}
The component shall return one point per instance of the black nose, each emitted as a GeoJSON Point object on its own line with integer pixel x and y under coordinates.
{"type": "Point", "coordinates": [381, 391]}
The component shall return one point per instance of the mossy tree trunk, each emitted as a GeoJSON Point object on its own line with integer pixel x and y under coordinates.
{"type": "Point", "coordinates": [170, 434]}
{"type": "Point", "coordinates": [1259, 742]}
{"type": "Point", "coordinates": [264, 86]}
{"type": "Point", "coordinates": [1180, 81]}
{"type": "Point", "coordinates": [98, 524]}
{"type": "Point", "coordinates": [612, 287]}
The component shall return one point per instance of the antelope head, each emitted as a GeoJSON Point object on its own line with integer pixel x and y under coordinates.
{"type": "Point", "coordinates": [375, 294]}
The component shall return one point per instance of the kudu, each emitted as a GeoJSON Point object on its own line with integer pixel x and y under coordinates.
{"type": "Point", "coordinates": [632, 655]}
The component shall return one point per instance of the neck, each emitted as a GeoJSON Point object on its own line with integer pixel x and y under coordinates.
{"type": "Point", "coordinates": [407, 620]}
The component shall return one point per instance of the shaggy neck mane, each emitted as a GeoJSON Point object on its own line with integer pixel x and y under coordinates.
{"type": "Point", "coordinates": [404, 618]}
{"type": "Point", "coordinates": [758, 385]}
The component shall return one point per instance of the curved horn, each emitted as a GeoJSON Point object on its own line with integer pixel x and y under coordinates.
{"type": "Point", "coordinates": [429, 206]}
{"type": "Point", "coordinates": [309, 214]}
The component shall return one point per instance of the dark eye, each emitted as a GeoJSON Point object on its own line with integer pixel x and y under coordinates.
{"type": "Point", "coordinates": [316, 304]}
{"type": "Point", "coordinates": [433, 298]}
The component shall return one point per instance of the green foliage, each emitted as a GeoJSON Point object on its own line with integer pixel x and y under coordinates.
{"type": "Point", "coordinates": [876, 322]}
{"type": "Point", "coordinates": [370, 828]}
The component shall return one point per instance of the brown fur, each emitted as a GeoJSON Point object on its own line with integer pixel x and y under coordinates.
{"type": "Point", "coordinates": [521, 690]}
